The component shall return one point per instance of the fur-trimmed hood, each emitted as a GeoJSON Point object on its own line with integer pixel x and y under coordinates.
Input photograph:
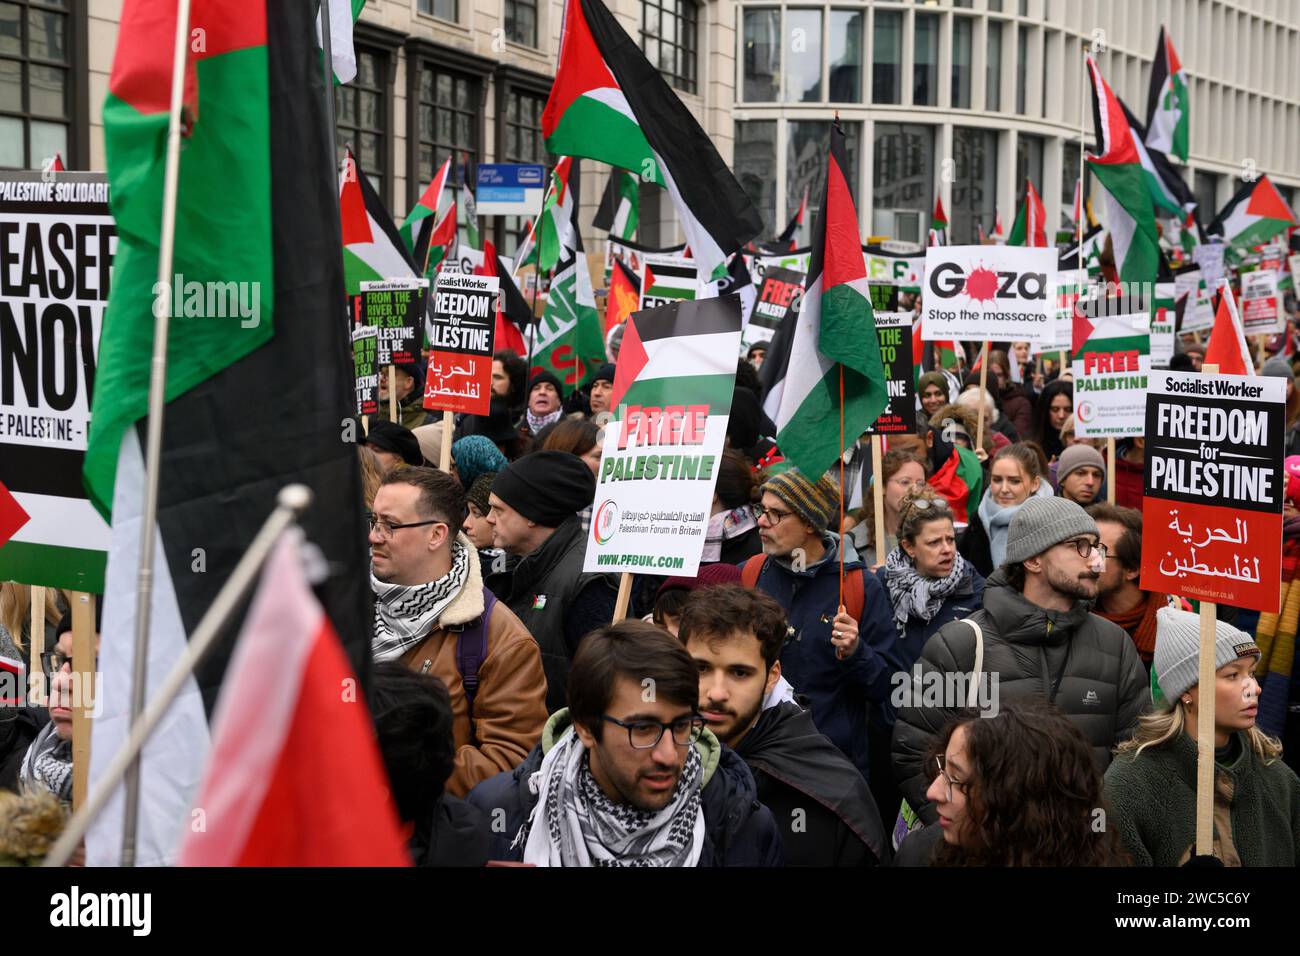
{"type": "Point", "coordinates": [468, 604]}
{"type": "Point", "coordinates": [29, 825]}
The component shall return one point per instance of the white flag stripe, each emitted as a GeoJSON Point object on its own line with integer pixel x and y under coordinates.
{"type": "Point", "coordinates": [712, 354]}
{"type": "Point", "coordinates": [62, 523]}
{"type": "Point", "coordinates": [807, 365]}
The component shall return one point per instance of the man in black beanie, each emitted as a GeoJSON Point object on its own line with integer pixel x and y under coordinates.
{"type": "Point", "coordinates": [602, 387]}
{"type": "Point", "coordinates": [394, 444]}
{"type": "Point", "coordinates": [544, 391]}
{"type": "Point", "coordinates": [533, 512]}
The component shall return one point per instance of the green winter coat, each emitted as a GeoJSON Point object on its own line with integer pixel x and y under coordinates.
{"type": "Point", "coordinates": [1152, 798]}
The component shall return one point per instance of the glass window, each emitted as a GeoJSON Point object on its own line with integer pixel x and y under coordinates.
{"type": "Point", "coordinates": [668, 39]}
{"type": "Point", "coordinates": [925, 66]}
{"type": "Point", "coordinates": [755, 168]}
{"type": "Point", "coordinates": [993, 69]}
{"type": "Point", "coordinates": [445, 9]}
{"type": "Point", "coordinates": [887, 58]}
{"type": "Point", "coordinates": [1029, 162]}
{"type": "Point", "coordinates": [962, 33]}
{"type": "Point", "coordinates": [523, 143]}
{"type": "Point", "coordinates": [902, 193]}
{"type": "Point", "coordinates": [974, 187]}
{"type": "Point", "coordinates": [995, 6]}
{"type": "Point", "coordinates": [805, 166]}
{"type": "Point", "coordinates": [35, 83]}
{"type": "Point", "coordinates": [846, 56]}
{"type": "Point", "coordinates": [447, 108]}
{"type": "Point", "coordinates": [762, 56]}
{"type": "Point", "coordinates": [1022, 57]}
{"type": "Point", "coordinates": [1069, 179]}
{"type": "Point", "coordinates": [1205, 186]}
{"type": "Point", "coordinates": [652, 228]}
{"type": "Point", "coordinates": [803, 56]}
{"type": "Point", "coordinates": [521, 22]}
{"type": "Point", "coordinates": [361, 116]}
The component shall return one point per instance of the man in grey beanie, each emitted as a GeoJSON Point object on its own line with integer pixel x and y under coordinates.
{"type": "Point", "coordinates": [1039, 638]}
{"type": "Point", "coordinates": [1080, 474]}
{"type": "Point", "coordinates": [1279, 366]}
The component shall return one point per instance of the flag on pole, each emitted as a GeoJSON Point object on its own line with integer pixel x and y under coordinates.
{"type": "Point", "coordinates": [938, 220]}
{"type": "Point", "coordinates": [1167, 109]}
{"type": "Point", "coordinates": [620, 205]}
{"type": "Point", "coordinates": [468, 206]}
{"type": "Point", "coordinates": [787, 240]}
{"type": "Point", "coordinates": [372, 245]}
{"type": "Point", "coordinates": [834, 336]}
{"type": "Point", "coordinates": [1118, 168]}
{"type": "Point", "coordinates": [1254, 215]}
{"type": "Point", "coordinates": [343, 54]}
{"type": "Point", "coordinates": [610, 103]}
{"type": "Point", "coordinates": [1167, 188]}
{"type": "Point", "coordinates": [1227, 345]}
{"type": "Point", "coordinates": [623, 295]}
{"type": "Point", "coordinates": [258, 134]}
{"type": "Point", "coordinates": [513, 315]}
{"type": "Point", "coordinates": [436, 242]}
{"type": "Point", "coordinates": [1030, 227]}
{"type": "Point", "coordinates": [1077, 213]}
{"type": "Point", "coordinates": [427, 205]}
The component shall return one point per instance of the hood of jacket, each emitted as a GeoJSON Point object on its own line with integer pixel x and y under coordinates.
{"type": "Point", "coordinates": [467, 605]}
{"type": "Point", "coordinates": [1020, 622]}
{"type": "Point", "coordinates": [831, 542]}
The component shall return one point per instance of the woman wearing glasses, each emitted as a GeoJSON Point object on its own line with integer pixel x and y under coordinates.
{"type": "Point", "coordinates": [902, 472]}
{"type": "Point", "coordinates": [1018, 473]}
{"type": "Point", "coordinates": [1016, 789]}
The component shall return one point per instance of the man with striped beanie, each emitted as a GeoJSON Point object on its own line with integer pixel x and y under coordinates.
{"type": "Point", "coordinates": [840, 653]}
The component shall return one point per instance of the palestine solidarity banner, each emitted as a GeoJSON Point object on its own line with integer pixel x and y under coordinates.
{"type": "Point", "coordinates": [894, 330]}
{"type": "Point", "coordinates": [778, 300]}
{"type": "Point", "coordinates": [1214, 484]}
{"type": "Point", "coordinates": [672, 399]}
{"type": "Point", "coordinates": [396, 308]}
{"type": "Point", "coordinates": [459, 377]}
{"type": "Point", "coordinates": [973, 293]}
{"type": "Point", "coordinates": [1111, 362]}
{"type": "Point", "coordinates": [57, 242]}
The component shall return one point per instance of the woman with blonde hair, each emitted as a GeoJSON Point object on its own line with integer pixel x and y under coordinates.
{"type": "Point", "coordinates": [1151, 783]}
{"type": "Point", "coordinates": [16, 616]}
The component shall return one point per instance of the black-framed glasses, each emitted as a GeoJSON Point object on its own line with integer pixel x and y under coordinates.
{"type": "Point", "coordinates": [940, 769]}
{"type": "Point", "coordinates": [52, 662]}
{"type": "Point", "coordinates": [386, 528]}
{"type": "Point", "coordinates": [1085, 547]}
{"type": "Point", "coordinates": [773, 515]}
{"type": "Point", "coordinates": [645, 734]}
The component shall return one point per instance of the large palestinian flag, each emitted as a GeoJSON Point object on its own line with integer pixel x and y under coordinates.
{"type": "Point", "coordinates": [608, 102]}
{"type": "Point", "coordinates": [1118, 168]}
{"type": "Point", "coordinates": [825, 367]}
{"type": "Point", "coordinates": [257, 152]}
{"type": "Point", "coordinates": [1167, 109]}
{"type": "Point", "coordinates": [373, 248]}
{"type": "Point", "coordinates": [1254, 215]}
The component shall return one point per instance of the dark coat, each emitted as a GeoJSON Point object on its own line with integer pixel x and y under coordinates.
{"type": "Point", "coordinates": [738, 830]}
{"type": "Point", "coordinates": [1100, 682]}
{"type": "Point", "coordinates": [974, 543]}
{"type": "Point", "coordinates": [917, 849]}
{"type": "Point", "coordinates": [822, 806]}
{"type": "Point", "coordinates": [19, 726]}
{"type": "Point", "coordinates": [1018, 408]}
{"type": "Point", "coordinates": [452, 835]}
{"type": "Point", "coordinates": [964, 603]}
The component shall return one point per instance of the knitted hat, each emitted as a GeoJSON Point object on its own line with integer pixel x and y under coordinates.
{"type": "Point", "coordinates": [547, 487]}
{"type": "Point", "coordinates": [1076, 457]}
{"type": "Point", "coordinates": [708, 576]}
{"type": "Point", "coordinates": [813, 502]}
{"type": "Point", "coordinates": [1178, 648]}
{"type": "Point", "coordinates": [479, 491]}
{"type": "Point", "coordinates": [430, 439]}
{"type": "Point", "coordinates": [757, 347]}
{"type": "Point", "coordinates": [1278, 367]}
{"type": "Point", "coordinates": [476, 455]}
{"type": "Point", "coordinates": [395, 438]}
{"type": "Point", "coordinates": [547, 377]}
{"type": "Point", "coordinates": [606, 373]}
{"type": "Point", "coordinates": [1043, 522]}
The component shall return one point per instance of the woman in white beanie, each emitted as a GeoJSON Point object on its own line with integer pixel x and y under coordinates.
{"type": "Point", "coordinates": [1151, 784]}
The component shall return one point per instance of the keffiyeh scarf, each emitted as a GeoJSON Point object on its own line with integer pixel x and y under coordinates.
{"type": "Point", "coordinates": [404, 615]}
{"type": "Point", "coordinates": [575, 824]}
{"type": "Point", "coordinates": [48, 764]}
{"type": "Point", "coordinates": [537, 422]}
{"type": "Point", "coordinates": [724, 526]}
{"type": "Point", "coordinates": [914, 595]}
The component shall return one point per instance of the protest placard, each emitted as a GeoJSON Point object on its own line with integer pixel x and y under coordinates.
{"type": "Point", "coordinates": [1163, 320]}
{"type": "Point", "coordinates": [1068, 286]}
{"type": "Point", "coordinates": [395, 307]}
{"type": "Point", "coordinates": [1111, 363]}
{"type": "Point", "coordinates": [365, 368]}
{"type": "Point", "coordinates": [778, 298]}
{"type": "Point", "coordinates": [977, 293]}
{"type": "Point", "coordinates": [666, 281]}
{"type": "Point", "coordinates": [1260, 303]}
{"type": "Point", "coordinates": [634, 254]}
{"type": "Point", "coordinates": [1209, 256]}
{"type": "Point", "coordinates": [1214, 487]}
{"type": "Point", "coordinates": [1293, 263]}
{"type": "Point", "coordinates": [1197, 313]}
{"type": "Point", "coordinates": [672, 396]}
{"type": "Point", "coordinates": [894, 329]}
{"type": "Point", "coordinates": [459, 374]}
{"type": "Point", "coordinates": [57, 243]}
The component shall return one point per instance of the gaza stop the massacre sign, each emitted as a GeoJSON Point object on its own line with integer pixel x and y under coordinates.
{"type": "Point", "coordinates": [1003, 293]}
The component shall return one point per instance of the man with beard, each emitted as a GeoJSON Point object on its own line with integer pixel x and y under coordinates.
{"type": "Point", "coordinates": [822, 806]}
{"type": "Point", "coordinates": [1036, 635]}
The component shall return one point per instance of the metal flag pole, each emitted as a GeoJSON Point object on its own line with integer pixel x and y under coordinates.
{"type": "Point", "coordinates": [292, 501]}
{"type": "Point", "coordinates": [327, 48]}
{"type": "Point", "coordinates": [157, 398]}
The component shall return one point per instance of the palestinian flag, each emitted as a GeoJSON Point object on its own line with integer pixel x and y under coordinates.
{"type": "Point", "coordinates": [960, 482]}
{"type": "Point", "coordinates": [1167, 188]}
{"type": "Point", "coordinates": [620, 206]}
{"type": "Point", "coordinates": [295, 776]}
{"type": "Point", "coordinates": [529, 244]}
{"type": "Point", "coordinates": [514, 316]}
{"type": "Point", "coordinates": [569, 340]}
{"type": "Point", "coordinates": [436, 242]}
{"type": "Point", "coordinates": [997, 224]}
{"type": "Point", "coordinates": [1254, 216]}
{"type": "Point", "coordinates": [1190, 235]}
{"type": "Point", "coordinates": [343, 54]}
{"type": "Point", "coordinates": [610, 103]}
{"type": "Point", "coordinates": [1227, 345]}
{"type": "Point", "coordinates": [256, 153]}
{"type": "Point", "coordinates": [1167, 108]}
{"type": "Point", "coordinates": [1030, 227]}
{"type": "Point", "coordinates": [372, 245]}
{"type": "Point", "coordinates": [1118, 168]}
{"type": "Point", "coordinates": [56, 163]}
{"type": "Point", "coordinates": [470, 209]}
{"type": "Point", "coordinates": [426, 207]}
{"type": "Point", "coordinates": [937, 219]}
{"type": "Point", "coordinates": [680, 354]}
{"type": "Point", "coordinates": [665, 282]}
{"type": "Point", "coordinates": [623, 295]}
{"type": "Point", "coordinates": [1107, 333]}
{"type": "Point", "coordinates": [827, 364]}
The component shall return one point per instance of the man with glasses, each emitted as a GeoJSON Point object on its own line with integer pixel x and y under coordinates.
{"type": "Point", "coordinates": [433, 614]}
{"type": "Point", "coordinates": [1039, 637]}
{"type": "Point", "coordinates": [843, 648]}
{"type": "Point", "coordinates": [627, 774]}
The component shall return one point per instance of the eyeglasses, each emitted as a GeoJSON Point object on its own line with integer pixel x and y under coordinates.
{"type": "Point", "coordinates": [940, 769]}
{"type": "Point", "coordinates": [52, 662]}
{"type": "Point", "coordinates": [645, 734]}
{"type": "Point", "coordinates": [1085, 547]}
{"type": "Point", "coordinates": [772, 515]}
{"type": "Point", "coordinates": [386, 528]}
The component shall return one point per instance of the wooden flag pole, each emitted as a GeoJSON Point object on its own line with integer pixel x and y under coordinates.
{"type": "Point", "coordinates": [448, 429]}
{"type": "Point", "coordinates": [83, 667]}
{"type": "Point", "coordinates": [392, 396]}
{"type": "Point", "coordinates": [365, 425]}
{"type": "Point", "coordinates": [878, 496]}
{"type": "Point", "coordinates": [984, 378]}
{"type": "Point", "coordinates": [1111, 479]}
{"type": "Point", "coordinates": [36, 646]}
{"type": "Point", "coordinates": [624, 596]}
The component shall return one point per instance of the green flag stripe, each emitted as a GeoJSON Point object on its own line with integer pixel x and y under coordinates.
{"type": "Point", "coordinates": [623, 143]}
{"type": "Point", "coordinates": [712, 390]}
{"type": "Point", "coordinates": [53, 565]}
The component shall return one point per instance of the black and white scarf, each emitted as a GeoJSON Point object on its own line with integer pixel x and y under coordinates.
{"type": "Point", "coordinates": [575, 824]}
{"type": "Point", "coordinates": [48, 764]}
{"type": "Point", "coordinates": [537, 422]}
{"type": "Point", "coordinates": [914, 595]}
{"type": "Point", "coordinates": [405, 614]}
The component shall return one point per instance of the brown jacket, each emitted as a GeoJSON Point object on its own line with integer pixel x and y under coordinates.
{"type": "Point", "coordinates": [510, 707]}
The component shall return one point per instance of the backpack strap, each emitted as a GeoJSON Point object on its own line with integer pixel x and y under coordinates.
{"type": "Point", "coordinates": [972, 697]}
{"type": "Point", "coordinates": [751, 569]}
{"type": "Point", "coordinates": [471, 650]}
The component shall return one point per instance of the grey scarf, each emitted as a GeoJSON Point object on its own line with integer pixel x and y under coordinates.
{"type": "Point", "coordinates": [914, 595]}
{"type": "Point", "coordinates": [48, 764]}
{"type": "Point", "coordinates": [404, 615]}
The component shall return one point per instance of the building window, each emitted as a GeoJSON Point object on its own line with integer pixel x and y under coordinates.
{"type": "Point", "coordinates": [755, 167]}
{"type": "Point", "coordinates": [1069, 179]}
{"type": "Point", "coordinates": [519, 140]}
{"type": "Point", "coordinates": [962, 33]}
{"type": "Point", "coordinates": [887, 58]}
{"type": "Point", "coordinates": [447, 110]}
{"type": "Point", "coordinates": [975, 183]}
{"type": "Point", "coordinates": [762, 82]}
{"type": "Point", "coordinates": [360, 110]}
{"type": "Point", "coordinates": [993, 69]}
{"type": "Point", "coordinates": [803, 74]}
{"type": "Point", "coordinates": [1206, 187]}
{"type": "Point", "coordinates": [846, 56]}
{"type": "Point", "coordinates": [925, 68]}
{"type": "Point", "coordinates": [902, 199]}
{"type": "Point", "coordinates": [1029, 162]}
{"type": "Point", "coordinates": [668, 39]}
{"type": "Point", "coordinates": [442, 9]}
{"type": "Point", "coordinates": [36, 84]}
{"type": "Point", "coordinates": [1022, 59]}
{"type": "Point", "coordinates": [521, 22]}
{"type": "Point", "coordinates": [805, 166]}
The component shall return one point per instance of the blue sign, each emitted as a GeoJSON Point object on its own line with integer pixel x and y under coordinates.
{"type": "Point", "coordinates": [510, 189]}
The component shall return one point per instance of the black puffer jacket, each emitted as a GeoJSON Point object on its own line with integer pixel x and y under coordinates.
{"type": "Point", "coordinates": [1100, 682]}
